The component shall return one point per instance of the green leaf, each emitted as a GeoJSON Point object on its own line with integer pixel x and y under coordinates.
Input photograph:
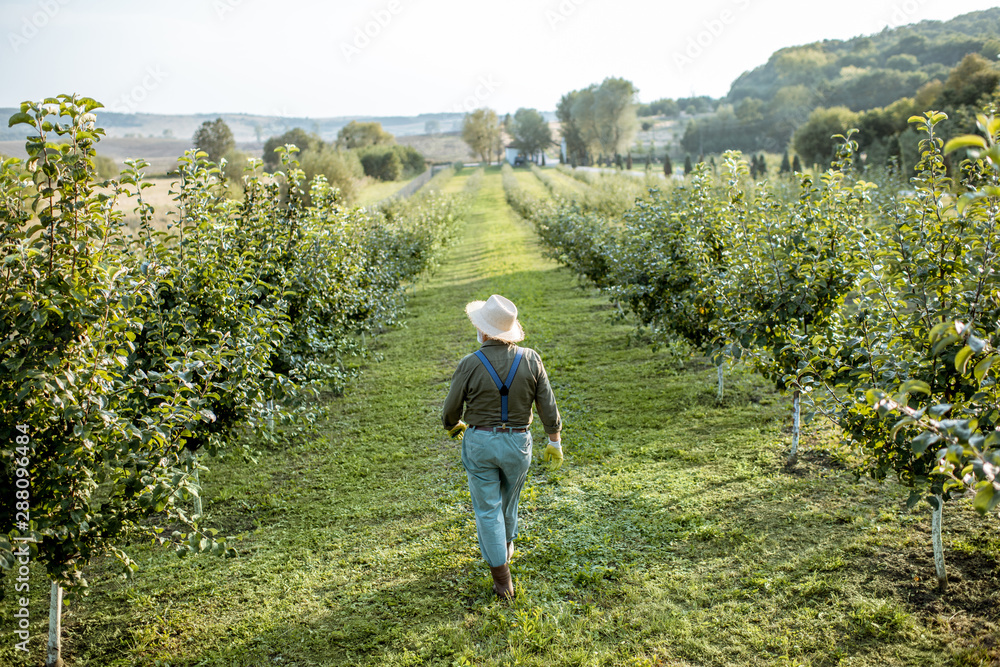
{"type": "Point", "coordinates": [911, 386]}
{"type": "Point", "coordinates": [966, 199]}
{"type": "Point", "coordinates": [923, 441]}
{"type": "Point", "coordinates": [993, 502]}
{"type": "Point", "coordinates": [962, 359]}
{"type": "Point", "coordinates": [13, 363]}
{"type": "Point", "coordinates": [914, 498]}
{"type": "Point", "coordinates": [873, 396]}
{"type": "Point", "coordinates": [939, 330]}
{"type": "Point", "coordinates": [983, 498]}
{"type": "Point", "coordinates": [943, 343]}
{"type": "Point", "coordinates": [992, 126]}
{"type": "Point", "coordinates": [905, 421]}
{"type": "Point", "coordinates": [19, 118]}
{"type": "Point", "coordinates": [964, 141]}
{"type": "Point", "coordinates": [983, 367]}
{"type": "Point", "coordinates": [939, 410]}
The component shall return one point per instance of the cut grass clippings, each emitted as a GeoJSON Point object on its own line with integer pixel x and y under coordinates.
{"type": "Point", "coordinates": [673, 535]}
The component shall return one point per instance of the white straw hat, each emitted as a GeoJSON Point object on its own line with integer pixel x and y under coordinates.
{"type": "Point", "coordinates": [497, 318]}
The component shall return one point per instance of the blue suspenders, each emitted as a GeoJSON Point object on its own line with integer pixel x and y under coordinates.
{"type": "Point", "coordinates": [504, 387]}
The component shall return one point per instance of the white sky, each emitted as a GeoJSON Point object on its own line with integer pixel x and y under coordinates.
{"type": "Point", "coordinates": [306, 58]}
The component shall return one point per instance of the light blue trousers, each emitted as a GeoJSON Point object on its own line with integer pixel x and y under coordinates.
{"type": "Point", "coordinates": [497, 465]}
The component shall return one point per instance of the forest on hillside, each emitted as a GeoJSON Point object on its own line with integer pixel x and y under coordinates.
{"type": "Point", "coordinates": [874, 83]}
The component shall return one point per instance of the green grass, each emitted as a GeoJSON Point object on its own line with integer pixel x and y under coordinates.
{"type": "Point", "coordinates": [455, 184]}
{"type": "Point", "coordinates": [673, 535]}
{"type": "Point", "coordinates": [376, 191]}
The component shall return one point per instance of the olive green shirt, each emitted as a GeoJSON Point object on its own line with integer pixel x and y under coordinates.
{"type": "Point", "coordinates": [473, 389]}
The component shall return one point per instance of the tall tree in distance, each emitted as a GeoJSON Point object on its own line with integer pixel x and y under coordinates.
{"type": "Point", "coordinates": [296, 136]}
{"type": "Point", "coordinates": [481, 131]}
{"type": "Point", "coordinates": [599, 119]}
{"type": "Point", "coordinates": [362, 135]}
{"type": "Point", "coordinates": [530, 132]}
{"type": "Point", "coordinates": [585, 118]}
{"type": "Point", "coordinates": [215, 138]}
{"type": "Point", "coordinates": [813, 139]}
{"type": "Point", "coordinates": [668, 168]}
{"type": "Point", "coordinates": [615, 111]}
{"type": "Point", "coordinates": [576, 147]}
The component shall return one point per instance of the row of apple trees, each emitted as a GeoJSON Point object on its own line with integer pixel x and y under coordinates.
{"type": "Point", "coordinates": [126, 352]}
{"type": "Point", "coordinates": [877, 307]}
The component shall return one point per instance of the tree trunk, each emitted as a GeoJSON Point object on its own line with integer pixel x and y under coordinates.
{"type": "Point", "coordinates": [197, 499]}
{"type": "Point", "coordinates": [939, 568]}
{"type": "Point", "coordinates": [793, 455]}
{"type": "Point", "coordinates": [54, 657]}
{"type": "Point", "coordinates": [719, 395]}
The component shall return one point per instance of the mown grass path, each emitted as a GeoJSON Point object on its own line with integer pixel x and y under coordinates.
{"type": "Point", "coordinates": [672, 536]}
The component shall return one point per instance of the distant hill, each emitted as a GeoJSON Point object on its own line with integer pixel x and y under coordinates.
{"type": "Point", "coordinates": [162, 153]}
{"type": "Point", "coordinates": [875, 70]}
{"type": "Point", "coordinates": [161, 138]}
{"type": "Point", "coordinates": [247, 128]}
{"type": "Point", "coordinates": [873, 83]}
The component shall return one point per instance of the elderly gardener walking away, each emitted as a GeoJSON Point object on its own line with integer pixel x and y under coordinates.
{"type": "Point", "coordinates": [493, 391]}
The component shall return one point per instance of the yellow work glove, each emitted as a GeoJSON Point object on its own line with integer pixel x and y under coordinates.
{"type": "Point", "coordinates": [458, 430]}
{"type": "Point", "coordinates": [553, 455]}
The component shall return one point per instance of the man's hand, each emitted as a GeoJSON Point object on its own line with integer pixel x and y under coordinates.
{"type": "Point", "coordinates": [458, 430]}
{"type": "Point", "coordinates": [553, 455]}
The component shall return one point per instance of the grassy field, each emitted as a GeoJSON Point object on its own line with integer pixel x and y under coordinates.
{"type": "Point", "coordinates": [374, 191]}
{"type": "Point", "coordinates": [161, 153]}
{"type": "Point", "coordinates": [165, 209]}
{"type": "Point", "coordinates": [457, 185]}
{"type": "Point", "coordinates": [444, 147]}
{"type": "Point", "coordinates": [674, 534]}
